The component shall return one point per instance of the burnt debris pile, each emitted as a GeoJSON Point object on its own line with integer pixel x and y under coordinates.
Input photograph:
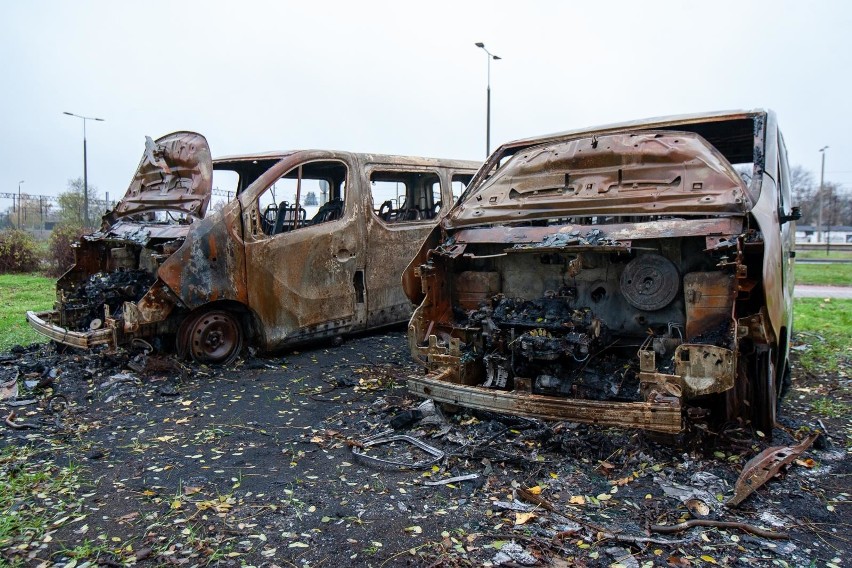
{"type": "Point", "coordinates": [84, 306]}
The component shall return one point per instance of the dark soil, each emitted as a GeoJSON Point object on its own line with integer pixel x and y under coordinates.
{"type": "Point", "coordinates": [254, 465]}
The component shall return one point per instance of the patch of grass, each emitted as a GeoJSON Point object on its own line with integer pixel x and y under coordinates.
{"type": "Point", "coordinates": [19, 293]}
{"type": "Point", "coordinates": [826, 327]}
{"type": "Point", "coordinates": [824, 274]}
{"type": "Point", "coordinates": [820, 254]}
{"type": "Point", "coordinates": [36, 496]}
{"type": "Point", "coordinates": [829, 408]}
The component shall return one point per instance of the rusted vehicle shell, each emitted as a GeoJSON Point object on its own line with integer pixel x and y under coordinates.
{"type": "Point", "coordinates": [638, 274]}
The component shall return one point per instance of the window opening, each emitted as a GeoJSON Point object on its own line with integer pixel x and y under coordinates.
{"type": "Point", "coordinates": [405, 197]}
{"type": "Point", "coordinates": [309, 194]}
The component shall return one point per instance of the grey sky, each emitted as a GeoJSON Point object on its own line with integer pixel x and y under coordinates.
{"type": "Point", "coordinates": [401, 77]}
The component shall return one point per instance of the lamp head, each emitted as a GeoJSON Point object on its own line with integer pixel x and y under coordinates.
{"type": "Point", "coordinates": [477, 44]}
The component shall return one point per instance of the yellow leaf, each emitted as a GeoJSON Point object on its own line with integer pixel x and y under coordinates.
{"type": "Point", "coordinates": [535, 490]}
{"type": "Point", "coordinates": [416, 529]}
{"type": "Point", "coordinates": [523, 518]}
{"type": "Point", "coordinates": [808, 463]}
{"type": "Point", "coordinates": [709, 559]}
{"type": "Point", "coordinates": [604, 497]}
{"type": "Point", "coordinates": [189, 490]}
{"type": "Point", "coordinates": [176, 504]}
{"type": "Point", "coordinates": [577, 500]}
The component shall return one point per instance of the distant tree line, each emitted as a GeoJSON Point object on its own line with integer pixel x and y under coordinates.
{"type": "Point", "coordinates": [836, 201]}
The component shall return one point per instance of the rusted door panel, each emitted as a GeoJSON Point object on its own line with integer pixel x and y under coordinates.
{"type": "Point", "coordinates": [301, 283]}
{"type": "Point", "coordinates": [391, 249]}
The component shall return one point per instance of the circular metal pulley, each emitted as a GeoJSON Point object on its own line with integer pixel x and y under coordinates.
{"type": "Point", "coordinates": [650, 282]}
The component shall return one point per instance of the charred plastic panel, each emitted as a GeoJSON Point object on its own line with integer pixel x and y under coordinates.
{"type": "Point", "coordinates": [612, 278]}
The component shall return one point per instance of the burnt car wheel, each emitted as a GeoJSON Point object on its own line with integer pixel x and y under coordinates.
{"type": "Point", "coordinates": [213, 337]}
{"type": "Point", "coordinates": [764, 400]}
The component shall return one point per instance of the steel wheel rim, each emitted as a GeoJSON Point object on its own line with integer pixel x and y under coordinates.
{"type": "Point", "coordinates": [215, 337]}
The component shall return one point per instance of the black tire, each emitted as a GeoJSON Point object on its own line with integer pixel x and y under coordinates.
{"type": "Point", "coordinates": [764, 390]}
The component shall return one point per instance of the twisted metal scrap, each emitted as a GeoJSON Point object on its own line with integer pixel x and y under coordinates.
{"type": "Point", "coordinates": [763, 467]}
{"type": "Point", "coordinates": [436, 454]}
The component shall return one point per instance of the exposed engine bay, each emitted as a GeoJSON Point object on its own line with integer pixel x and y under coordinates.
{"type": "Point", "coordinates": [573, 324]}
{"type": "Point", "coordinates": [114, 267]}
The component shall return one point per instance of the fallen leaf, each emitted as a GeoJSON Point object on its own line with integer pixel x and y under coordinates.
{"type": "Point", "coordinates": [416, 529]}
{"type": "Point", "coordinates": [808, 463]}
{"type": "Point", "coordinates": [523, 518]}
{"type": "Point", "coordinates": [128, 517]}
{"type": "Point", "coordinates": [535, 489]}
{"type": "Point", "coordinates": [577, 500]}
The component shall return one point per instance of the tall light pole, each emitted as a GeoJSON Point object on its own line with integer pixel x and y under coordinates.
{"type": "Point", "coordinates": [490, 56]}
{"type": "Point", "coordinates": [19, 203]}
{"type": "Point", "coordinates": [821, 177]}
{"type": "Point", "coordinates": [85, 166]}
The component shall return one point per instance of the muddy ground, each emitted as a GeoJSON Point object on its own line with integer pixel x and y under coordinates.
{"type": "Point", "coordinates": [253, 465]}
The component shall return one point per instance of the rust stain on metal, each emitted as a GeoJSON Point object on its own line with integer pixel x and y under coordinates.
{"type": "Point", "coordinates": [764, 466]}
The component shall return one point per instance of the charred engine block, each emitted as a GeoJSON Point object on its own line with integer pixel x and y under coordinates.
{"type": "Point", "coordinates": [545, 346]}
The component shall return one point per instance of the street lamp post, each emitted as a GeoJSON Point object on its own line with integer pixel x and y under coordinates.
{"type": "Point", "coordinates": [821, 177]}
{"type": "Point", "coordinates": [19, 203]}
{"type": "Point", "coordinates": [85, 166]}
{"type": "Point", "coordinates": [489, 57]}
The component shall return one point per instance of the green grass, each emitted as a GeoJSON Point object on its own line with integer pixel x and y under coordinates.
{"type": "Point", "coordinates": [829, 408]}
{"type": "Point", "coordinates": [36, 495]}
{"type": "Point", "coordinates": [19, 293]}
{"type": "Point", "coordinates": [824, 274]}
{"type": "Point", "coordinates": [820, 254]}
{"type": "Point", "coordinates": [826, 326]}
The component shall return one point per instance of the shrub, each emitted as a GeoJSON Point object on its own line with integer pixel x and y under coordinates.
{"type": "Point", "coordinates": [60, 254]}
{"type": "Point", "coordinates": [18, 251]}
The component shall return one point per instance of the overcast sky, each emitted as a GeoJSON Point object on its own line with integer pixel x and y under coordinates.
{"type": "Point", "coordinates": [401, 77]}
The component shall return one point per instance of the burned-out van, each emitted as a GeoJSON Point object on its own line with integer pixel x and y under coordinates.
{"type": "Point", "coordinates": [633, 275]}
{"type": "Point", "coordinates": [311, 245]}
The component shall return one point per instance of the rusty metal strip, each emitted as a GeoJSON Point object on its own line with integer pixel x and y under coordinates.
{"type": "Point", "coordinates": [617, 231]}
{"type": "Point", "coordinates": [763, 467]}
{"type": "Point", "coordinates": [650, 416]}
{"type": "Point", "coordinates": [40, 321]}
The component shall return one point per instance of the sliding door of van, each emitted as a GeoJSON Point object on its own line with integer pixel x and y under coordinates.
{"type": "Point", "coordinates": [303, 253]}
{"type": "Point", "coordinates": [406, 203]}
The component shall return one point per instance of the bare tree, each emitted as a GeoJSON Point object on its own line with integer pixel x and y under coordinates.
{"type": "Point", "coordinates": [71, 204]}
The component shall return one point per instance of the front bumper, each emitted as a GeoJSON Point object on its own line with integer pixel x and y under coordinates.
{"type": "Point", "coordinates": [664, 416]}
{"type": "Point", "coordinates": [44, 323]}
